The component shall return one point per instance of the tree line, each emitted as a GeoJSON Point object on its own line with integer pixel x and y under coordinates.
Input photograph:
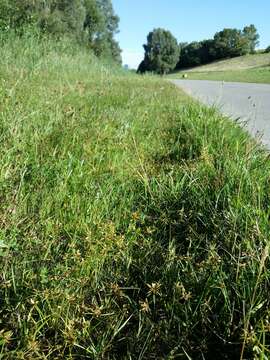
{"type": "Point", "coordinates": [163, 53]}
{"type": "Point", "coordinates": [91, 22]}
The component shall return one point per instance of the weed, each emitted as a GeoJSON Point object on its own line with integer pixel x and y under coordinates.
{"type": "Point", "coordinates": [134, 222]}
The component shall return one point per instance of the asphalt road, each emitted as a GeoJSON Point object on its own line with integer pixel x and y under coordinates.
{"type": "Point", "coordinates": [248, 103]}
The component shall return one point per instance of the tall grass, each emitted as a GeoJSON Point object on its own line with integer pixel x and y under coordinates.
{"type": "Point", "coordinates": [134, 223]}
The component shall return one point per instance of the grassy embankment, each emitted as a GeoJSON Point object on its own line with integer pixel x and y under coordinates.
{"type": "Point", "coordinates": [134, 223]}
{"type": "Point", "coordinates": [251, 68]}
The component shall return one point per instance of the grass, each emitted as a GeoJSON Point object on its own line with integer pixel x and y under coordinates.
{"type": "Point", "coordinates": [260, 75]}
{"type": "Point", "coordinates": [238, 63]}
{"type": "Point", "coordinates": [248, 68]}
{"type": "Point", "coordinates": [134, 222]}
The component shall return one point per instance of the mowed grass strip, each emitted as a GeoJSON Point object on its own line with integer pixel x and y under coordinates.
{"type": "Point", "coordinates": [260, 75]}
{"type": "Point", "coordinates": [134, 223]}
{"type": "Point", "coordinates": [248, 68]}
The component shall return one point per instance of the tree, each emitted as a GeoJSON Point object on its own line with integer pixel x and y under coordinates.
{"type": "Point", "coordinates": [103, 41]}
{"type": "Point", "coordinates": [88, 21]}
{"type": "Point", "coordinates": [206, 51]}
{"type": "Point", "coordinates": [195, 53]}
{"type": "Point", "coordinates": [267, 50]}
{"type": "Point", "coordinates": [190, 55]}
{"type": "Point", "coordinates": [52, 16]}
{"type": "Point", "coordinates": [17, 13]}
{"type": "Point", "coordinates": [252, 36]}
{"type": "Point", "coordinates": [93, 22]}
{"type": "Point", "coordinates": [230, 43]}
{"type": "Point", "coordinates": [161, 52]}
{"type": "Point", "coordinates": [60, 17]}
{"type": "Point", "coordinates": [143, 67]}
{"type": "Point", "coordinates": [225, 44]}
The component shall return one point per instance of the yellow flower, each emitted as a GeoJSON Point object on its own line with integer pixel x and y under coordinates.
{"type": "Point", "coordinates": [184, 295]}
{"type": "Point", "coordinates": [154, 288]}
{"type": "Point", "coordinates": [135, 215]}
{"type": "Point", "coordinates": [6, 336]}
{"type": "Point", "coordinates": [117, 290]}
{"type": "Point", "coordinates": [33, 345]}
{"type": "Point", "coordinates": [145, 306]}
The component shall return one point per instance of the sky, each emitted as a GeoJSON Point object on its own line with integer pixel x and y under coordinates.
{"type": "Point", "coordinates": [189, 20]}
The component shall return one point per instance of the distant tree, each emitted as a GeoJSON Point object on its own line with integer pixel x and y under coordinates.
{"type": "Point", "coordinates": [229, 43]}
{"type": "Point", "coordinates": [190, 55]}
{"type": "Point", "coordinates": [251, 34]}
{"type": "Point", "coordinates": [195, 53]}
{"type": "Point", "coordinates": [267, 50]}
{"type": "Point", "coordinates": [143, 67]}
{"type": "Point", "coordinates": [206, 51]}
{"type": "Point", "coordinates": [161, 52]}
{"type": "Point", "coordinates": [226, 43]}
{"type": "Point", "coordinates": [182, 45]}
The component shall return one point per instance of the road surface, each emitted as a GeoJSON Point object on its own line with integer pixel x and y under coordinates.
{"type": "Point", "coordinates": [248, 103]}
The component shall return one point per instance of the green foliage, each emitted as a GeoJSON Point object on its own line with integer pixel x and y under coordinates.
{"type": "Point", "coordinates": [93, 22]}
{"type": "Point", "coordinates": [233, 42]}
{"type": "Point", "coordinates": [190, 54]}
{"type": "Point", "coordinates": [102, 39]}
{"type": "Point", "coordinates": [195, 53]}
{"type": "Point", "coordinates": [60, 17]}
{"type": "Point", "coordinates": [88, 21]}
{"type": "Point", "coordinates": [17, 13]}
{"type": "Point", "coordinates": [267, 50]}
{"type": "Point", "coordinates": [230, 43]}
{"type": "Point", "coordinates": [251, 34]}
{"type": "Point", "coordinates": [134, 223]}
{"type": "Point", "coordinates": [161, 52]}
{"type": "Point", "coordinates": [206, 51]}
{"type": "Point", "coordinates": [226, 44]}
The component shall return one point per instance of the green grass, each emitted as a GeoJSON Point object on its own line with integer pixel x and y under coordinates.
{"type": "Point", "coordinates": [134, 222]}
{"type": "Point", "coordinates": [249, 68]}
{"type": "Point", "coordinates": [238, 63]}
{"type": "Point", "coordinates": [260, 75]}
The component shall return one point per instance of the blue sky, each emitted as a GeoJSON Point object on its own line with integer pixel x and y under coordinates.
{"type": "Point", "coordinates": [188, 20]}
